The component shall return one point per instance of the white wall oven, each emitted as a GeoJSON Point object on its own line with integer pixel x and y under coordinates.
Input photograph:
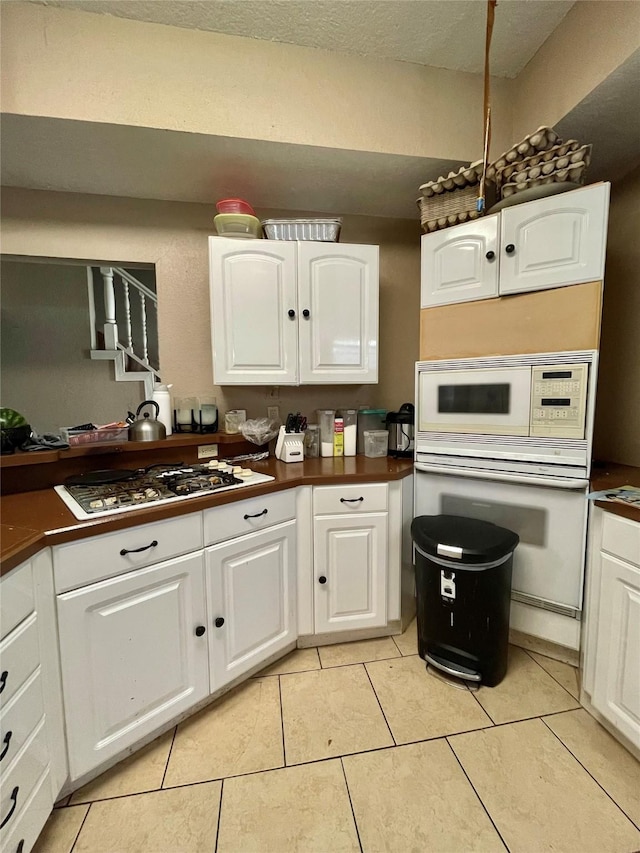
{"type": "Point", "coordinates": [507, 439]}
{"type": "Point", "coordinates": [533, 412]}
{"type": "Point", "coordinates": [551, 522]}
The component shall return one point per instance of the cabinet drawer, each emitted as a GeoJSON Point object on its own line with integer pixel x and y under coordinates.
{"type": "Point", "coordinates": [81, 563]}
{"type": "Point", "coordinates": [368, 497]}
{"type": "Point", "coordinates": [19, 657]}
{"type": "Point", "coordinates": [30, 823]}
{"type": "Point", "coordinates": [234, 519]}
{"type": "Point", "coordinates": [17, 783]}
{"type": "Point", "coordinates": [621, 537]}
{"type": "Point", "coordinates": [19, 718]}
{"type": "Point", "coordinates": [16, 598]}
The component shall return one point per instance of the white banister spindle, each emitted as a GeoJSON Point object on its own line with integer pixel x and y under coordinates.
{"type": "Point", "coordinates": [127, 308]}
{"type": "Point", "coordinates": [110, 326]}
{"type": "Point", "coordinates": [145, 342]}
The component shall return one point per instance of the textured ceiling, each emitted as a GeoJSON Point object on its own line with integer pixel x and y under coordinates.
{"type": "Point", "coordinates": [443, 33]}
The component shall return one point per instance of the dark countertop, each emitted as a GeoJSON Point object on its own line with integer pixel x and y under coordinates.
{"type": "Point", "coordinates": [610, 475]}
{"type": "Point", "coordinates": [37, 519]}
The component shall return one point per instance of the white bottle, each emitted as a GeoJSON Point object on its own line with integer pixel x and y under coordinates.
{"type": "Point", "coordinates": [162, 397]}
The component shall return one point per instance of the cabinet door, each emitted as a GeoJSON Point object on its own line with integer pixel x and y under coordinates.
{"type": "Point", "coordinates": [253, 291]}
{"type": "Point", "coordinates": [338, 313]}
{"type": "Point", "coordinates": [460, 264]}
{"type": "Point", "coordinates": [130, 657]}
{"type": "Point", "coordinates": [350, 565]}
{"type": "Point", "coordinates": [616, 691]}
{"type": "Point", "coordinates": [554, 241]}
{"type": "Point", "coordinates": [251, 600]}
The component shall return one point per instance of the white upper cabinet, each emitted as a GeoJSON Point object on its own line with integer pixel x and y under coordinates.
{"type": "Point", "coordinates": [287, 313]}
{"type": "Point", "coordinates": [253, 311]}
{"type": "Point", "coordinates": [338, 303]}
{"type": "Point", "coordinates": [461, 263]}
{"type": "Point", "coordinates": [552, 242]}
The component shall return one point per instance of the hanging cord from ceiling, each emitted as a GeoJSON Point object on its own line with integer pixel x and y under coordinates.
{"type": "Point", "coordinates": [486, 113]}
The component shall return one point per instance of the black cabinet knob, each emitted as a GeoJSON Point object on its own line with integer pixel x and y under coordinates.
{"type": "Point", "coordinates": [291, 313]}
{"type": "Point", "coordinates": [306, 313]}
{"type": "Point", "coordinates": [509, 248]}
{"type": "Point", "coordinates": [219, 622]}
{"type": "Point", "coordinates": [200, 630]}
{"type": "Point", "coordinates": [490, 255]}
{"type": "Point", "coordinates": [322, 579]}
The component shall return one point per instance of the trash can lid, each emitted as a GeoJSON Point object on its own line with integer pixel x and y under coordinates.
{"type": "Point", "coordinates": [480, 541]}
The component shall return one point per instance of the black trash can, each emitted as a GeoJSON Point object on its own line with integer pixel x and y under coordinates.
{"type": "Point", "coordinates": [463, 590]}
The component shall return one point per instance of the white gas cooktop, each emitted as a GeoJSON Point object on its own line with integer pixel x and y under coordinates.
{"type": "Point", "coordinates": [88, 500]}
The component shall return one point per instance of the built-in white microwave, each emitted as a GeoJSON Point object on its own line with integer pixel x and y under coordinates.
{"type": "Point", "coordinates": [530, 408]}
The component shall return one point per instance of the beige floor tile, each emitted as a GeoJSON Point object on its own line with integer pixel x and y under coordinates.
{"type": "Point", "coordinates": [562, 672]}
{"type": "Point", "coordinates": [358, 652]}
{"type": "Point", "coordinates": [183, 820]}
{"type": "Point", "coordinates": [537, 794]}
{"type": "Point", "coordinates": [60, 830]}
{"type": "Point", "coordinates": [299, 660]}
{"type": "Point", "coordinates": [240, 733]}
{"type": "Point", "coordinates": [416, 798]}
{"type": "Point", "coordinates": [142, 771]}
{"type": "Point", "coordinates": [608, 761]}
{"type": "Point", "coordinates": [526, 691]}
{"type": "Point", "coordinates": [418, 705]}
{"type": "Point", "coordinates": [303, 809]}
{"type": "Point", "coordinates": [408, 642]}
{"type": "Point", "coordinates": [330, 712]}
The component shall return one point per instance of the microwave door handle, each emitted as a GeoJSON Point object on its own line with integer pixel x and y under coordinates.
{"type": "Point", "coordinates": [506, 477]}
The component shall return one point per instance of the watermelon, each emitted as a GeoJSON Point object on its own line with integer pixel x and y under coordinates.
{"type": "Point", "coordinates": [10, 418]}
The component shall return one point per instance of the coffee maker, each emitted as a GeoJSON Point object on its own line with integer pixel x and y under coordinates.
{"type": "Point", "coordinates": [401, 430]}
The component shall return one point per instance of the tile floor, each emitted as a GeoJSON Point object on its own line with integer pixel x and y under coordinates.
{"type": "Point", "coordinates": [355, 747]}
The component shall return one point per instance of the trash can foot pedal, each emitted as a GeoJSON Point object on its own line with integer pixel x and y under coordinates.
{"type": "Point", "coordinates": [449, 680]}
{"type": "Point", "coordinates": [459, 672]}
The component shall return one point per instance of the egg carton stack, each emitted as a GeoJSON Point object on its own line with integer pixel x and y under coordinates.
{"type": "Point", "coordinates": [451, 199]}
{"type": "Point", "coordinates": [541, 158]}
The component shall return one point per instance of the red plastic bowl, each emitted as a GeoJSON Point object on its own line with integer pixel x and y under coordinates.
{"type": "Point", "coordinates": [235, 205]}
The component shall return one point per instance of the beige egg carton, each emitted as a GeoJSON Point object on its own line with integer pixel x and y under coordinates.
{"type": "Point", "coordinates": [571, 165]}
{"type": "Point", "coordinates": [542, 139]}
{"type": "Point", "coordinates": [466, 176]}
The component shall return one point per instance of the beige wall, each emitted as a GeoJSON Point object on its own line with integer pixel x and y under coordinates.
{"type": "Point", "coordinates": [47, 374]}
{"type": "Point", "coordinates": [173, 236]}
{"type": "Point", "coordinates": [617, 435]}
{"type": "Point", "coordinates": [80, 66]}
{"type": "Point", "coordinates": [593, 39]}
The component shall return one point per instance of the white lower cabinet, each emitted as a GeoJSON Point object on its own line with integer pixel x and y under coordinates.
{"type": "Point", "coordinates": [617, 676]}
{"type": "Point", "coordinates": [612, 673]}
{"type": "Point", "coordinates": [350, 572]}
{"type": "Point", "coordinates": [32, 760]}
{"type": "Point", "coordinates": [350, 557]}
{"type": "Point", "coordinates": [251, 600]}
{"type": "Point", "coordinates": [134, 656]}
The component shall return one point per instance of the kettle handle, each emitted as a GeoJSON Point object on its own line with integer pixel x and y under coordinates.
{"type": "Point", "coordinates": [148, 403]}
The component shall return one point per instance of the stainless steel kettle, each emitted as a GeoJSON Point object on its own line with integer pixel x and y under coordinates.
{"type": "Point", "coordinates": [146, 428]}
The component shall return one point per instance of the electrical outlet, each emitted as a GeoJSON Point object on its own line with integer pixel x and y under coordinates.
{"type": "Point", "coordinates": [273, 412]}
{"type": "Point", "coordinates": [206, 451]}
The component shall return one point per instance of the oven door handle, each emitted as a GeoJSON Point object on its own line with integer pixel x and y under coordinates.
{"type": "Point", "coordinates": [505, 476]}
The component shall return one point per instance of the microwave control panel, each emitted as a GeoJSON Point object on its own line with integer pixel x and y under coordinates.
{"type": "Point", "coordinates": [559, 400]}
